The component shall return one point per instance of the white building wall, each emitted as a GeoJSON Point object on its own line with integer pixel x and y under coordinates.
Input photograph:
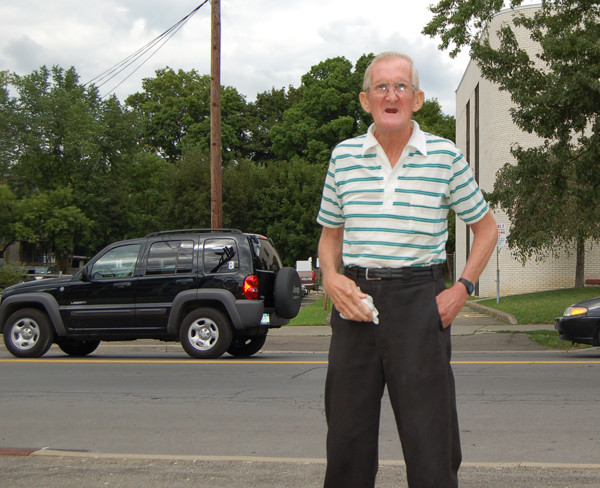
{"type": "Point", "coordinates": [497, 134]}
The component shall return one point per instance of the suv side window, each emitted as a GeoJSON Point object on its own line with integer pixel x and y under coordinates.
{"type": "Point", "coordinates": [117, 263]}
{"type": "Point", "coordinates": [170, 257]}
{"type": "Point", "coordinates": [220, 256]}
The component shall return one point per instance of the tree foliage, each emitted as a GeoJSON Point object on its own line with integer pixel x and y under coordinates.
{"type": "Point", "coordinates": [431, 119]}
{"type": "Point", "coordinates": [51, 219]}
{"type": "Point", "coordinates": [175, 108]}
{"type": "Point", "coordinates": [327, 112]}
{"type": "Point", "coordinates": [552, 194]}
{"type": "Point", "coordinates": [82, 171]}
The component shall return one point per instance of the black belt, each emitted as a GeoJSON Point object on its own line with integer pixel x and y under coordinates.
{"type": "Point", "coordinates": [406, 273]}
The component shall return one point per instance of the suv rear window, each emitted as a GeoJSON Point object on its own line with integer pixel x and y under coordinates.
{"type": "Point", "coordinates": [265, 255]}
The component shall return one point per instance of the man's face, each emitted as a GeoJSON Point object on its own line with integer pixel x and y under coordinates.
{"type": "Point", "coordinates": [391, 113]}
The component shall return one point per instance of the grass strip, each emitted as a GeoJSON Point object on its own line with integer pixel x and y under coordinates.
{"type": "Point", "coordinates": [313, 314]}
{"type": "Point", "coordinates": [547, 338]}
{"type": "Point", "coordinates": [541, 307]}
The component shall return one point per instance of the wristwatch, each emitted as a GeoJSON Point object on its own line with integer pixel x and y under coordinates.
{"type": "Point", "coordinates": [468, 285]}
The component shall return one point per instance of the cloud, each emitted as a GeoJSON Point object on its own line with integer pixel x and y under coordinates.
{"type": "Point", "coordinates": [24, 53]}
{"type": "Point", "coordinates": [265, 43]}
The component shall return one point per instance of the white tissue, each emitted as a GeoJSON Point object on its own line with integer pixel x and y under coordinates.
{"type": "Point", "coordinates": [368, 301]}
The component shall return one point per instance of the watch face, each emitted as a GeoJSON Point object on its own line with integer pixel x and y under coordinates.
{"type": "Point", "coordinates": [470, 287]}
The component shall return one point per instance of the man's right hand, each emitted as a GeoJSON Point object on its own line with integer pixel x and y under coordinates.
{"type": "Point", "coordinates": [347, 297]}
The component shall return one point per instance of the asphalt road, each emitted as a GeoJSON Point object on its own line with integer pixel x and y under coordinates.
{"type": "Point", "coordinates": [145, 415]}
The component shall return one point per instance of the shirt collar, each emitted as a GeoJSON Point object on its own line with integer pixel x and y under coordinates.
{"type": "Point", "coordinates": [417, 139]}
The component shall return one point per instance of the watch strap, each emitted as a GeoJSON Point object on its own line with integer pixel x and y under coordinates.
{"type": "Point", "coordinates": [468, 285]}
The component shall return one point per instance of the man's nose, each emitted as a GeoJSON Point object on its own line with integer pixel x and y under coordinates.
{"type": "Point", "coordinates": [391, 93]}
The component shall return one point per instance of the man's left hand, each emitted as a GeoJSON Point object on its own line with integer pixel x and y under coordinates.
{"type": "Point", "coordinates": [450, 302]}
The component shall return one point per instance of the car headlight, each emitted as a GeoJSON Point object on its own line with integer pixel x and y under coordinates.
{"type": "Point", "coordinates": [571, 311]}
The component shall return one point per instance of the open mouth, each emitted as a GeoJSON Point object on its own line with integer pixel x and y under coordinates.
{"type": "Point", "coordinates": [391, 110]}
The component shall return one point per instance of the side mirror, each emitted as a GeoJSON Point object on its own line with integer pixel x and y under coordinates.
{"type": "Point", "coordinates": [85, 274]}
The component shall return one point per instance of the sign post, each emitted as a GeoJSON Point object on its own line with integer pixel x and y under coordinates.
{"type": "Point", "coordinates": [501, 243]}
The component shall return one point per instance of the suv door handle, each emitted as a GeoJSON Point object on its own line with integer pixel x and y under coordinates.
{"type": "Point", "coordinates": [125, 284]}
{"type": "Point", "coordinates": [184, 281]}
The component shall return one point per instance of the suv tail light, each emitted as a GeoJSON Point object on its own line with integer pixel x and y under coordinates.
{"type": "Point", "coordinates": [251, 287]}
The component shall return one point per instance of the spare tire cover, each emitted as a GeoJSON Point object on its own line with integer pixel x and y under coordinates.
{"type": "Point", "coordinates": [288, 293]}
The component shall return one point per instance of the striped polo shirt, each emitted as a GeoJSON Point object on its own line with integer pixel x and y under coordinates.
{"type": "Point", "coordinates": [395, 217]}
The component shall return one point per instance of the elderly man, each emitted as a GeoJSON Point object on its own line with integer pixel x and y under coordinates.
{"type": "Point", "coordinates": [384, 216]}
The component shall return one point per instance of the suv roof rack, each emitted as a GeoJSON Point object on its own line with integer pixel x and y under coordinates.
{"type": "Point", "coordinates": [190, 231]}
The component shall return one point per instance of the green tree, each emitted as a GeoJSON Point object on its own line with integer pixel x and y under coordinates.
{"type": "Point", "coordinates": [51, 219]}
{"type": "Point", "coordinates": [71, 139]}
{"type": "Point", "coordinates": [264, 113]}
{"type": "Point", "coordinates": [175, 108]}
{"type": "Point", "coordinates": [327, 112]}
{"type": "Point", "coordinates": [552, 193]}
{"type": "Point", "coordinates": [187, 203]}
{"type": "Point", "coordinates": [290, 204]}
{"type": "Point", "coordinates": [57, 130]}
{"type": "Point", "coordinates": [7, 217]}
{"type": "Point", "coordinates": [431, 119]}
{"type": "Point", "coordinates": [8, 127]}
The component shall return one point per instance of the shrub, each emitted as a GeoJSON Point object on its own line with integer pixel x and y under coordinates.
{"type": "Point", "coordinates": [11, 274]}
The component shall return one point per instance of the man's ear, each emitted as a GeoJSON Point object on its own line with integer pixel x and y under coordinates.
{"type": "Point", "coordinates": [419, 101]}
{"type": "Point", "coordinates": [364, 101]}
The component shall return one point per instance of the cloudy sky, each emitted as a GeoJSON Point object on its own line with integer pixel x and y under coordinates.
{"type": "Point", "coordinates": [265, 43]}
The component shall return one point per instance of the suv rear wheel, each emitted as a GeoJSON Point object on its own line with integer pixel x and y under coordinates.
{"type": "Point", "coordinates": [206, 333]}
{"type": "Point", "coordinates": [246, 346]}
{"type": "Point", "coordinates": [28, 334]}
{"type": "Point", "coordinates": [78, 349]}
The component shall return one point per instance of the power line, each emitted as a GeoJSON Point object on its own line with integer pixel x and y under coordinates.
{"type": "Point", "coordinates": [161, 40]}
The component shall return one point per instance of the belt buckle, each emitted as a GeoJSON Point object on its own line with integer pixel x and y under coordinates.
{"type": "Point", "coordinates": [367, 275]}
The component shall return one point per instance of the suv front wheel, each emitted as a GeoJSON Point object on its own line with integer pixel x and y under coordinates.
{"type": "Point", "coordinates": [206, 333]}
{"type": "Point", "coordinates": [28, 333]}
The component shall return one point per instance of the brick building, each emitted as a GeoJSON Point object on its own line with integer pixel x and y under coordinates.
{"type": "Point", "coordinates": [485, 133]}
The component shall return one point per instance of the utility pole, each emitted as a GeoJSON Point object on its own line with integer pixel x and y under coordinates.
{"type": "Point", "coordinates": [215, 118]}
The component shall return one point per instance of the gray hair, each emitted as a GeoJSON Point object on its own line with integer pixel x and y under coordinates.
{"type": "Point", "coordinates": [390, 55]}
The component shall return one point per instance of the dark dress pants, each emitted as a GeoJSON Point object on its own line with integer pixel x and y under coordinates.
{"type": "Point", "coordinates": [409, 351]}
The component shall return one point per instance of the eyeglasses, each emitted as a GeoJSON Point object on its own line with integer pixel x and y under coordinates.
{"type": "Point", "coordinates": [400, 88]}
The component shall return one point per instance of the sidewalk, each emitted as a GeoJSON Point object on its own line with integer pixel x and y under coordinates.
{"type": "Point", "coordinates": [457, 330]}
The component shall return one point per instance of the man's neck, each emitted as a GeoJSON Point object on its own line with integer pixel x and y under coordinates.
{"type": "Point", "coordinates": [393, 143]}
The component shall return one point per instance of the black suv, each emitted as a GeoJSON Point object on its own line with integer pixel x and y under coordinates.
{"type": "Point", "coordinates": [215, 291]}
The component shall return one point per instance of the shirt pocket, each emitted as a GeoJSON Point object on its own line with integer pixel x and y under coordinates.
{"type": "Point", "coordinates": [426, 214]}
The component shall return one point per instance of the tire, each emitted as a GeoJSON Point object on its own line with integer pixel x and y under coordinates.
{"type": "Point", "coordinates": [28, 333]}
{"type": "Point", "coordinates": [246, 346]}
{"type": "Point", "coordinates": [288, 293]}
{"type": "Point", "coordinates": [78, 349]}
{"type": "Point", "coordinates": [206, 333]}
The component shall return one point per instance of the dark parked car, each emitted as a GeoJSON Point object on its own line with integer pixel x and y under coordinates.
{"type": "Point", "coordinates": [40, 271]}
{"type": "Point", "coordinates": [215, 291]}
{"type": "Point", "coordinates": [580, 323]}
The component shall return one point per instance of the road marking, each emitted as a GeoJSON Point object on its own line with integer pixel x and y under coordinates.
{"type": "Point", "coordinates": [255, 361]}
{"type": "Point", "coordinates": [157, 361]}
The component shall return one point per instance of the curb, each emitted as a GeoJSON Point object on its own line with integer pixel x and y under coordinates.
{"type": "Point", "coordinates": [497, 314]}
{"type": "Point", "coordinates": [46, 452]}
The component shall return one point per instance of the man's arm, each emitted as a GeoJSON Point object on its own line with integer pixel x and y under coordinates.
{"type": "Point", "coordinates": [452, 300]}
{"type": "Point", "coordinates": [344, 293]}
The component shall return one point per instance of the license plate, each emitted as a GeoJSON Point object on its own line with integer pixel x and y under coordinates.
{"type": "Point", "coordinates": [266, 319]}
